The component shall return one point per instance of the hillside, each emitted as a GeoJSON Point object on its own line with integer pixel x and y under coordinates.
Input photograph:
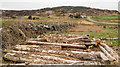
{"type": "Point", "coordinates": [61, 11]}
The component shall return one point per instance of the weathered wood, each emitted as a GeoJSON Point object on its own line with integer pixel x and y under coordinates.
{"type": "Point", "coordinates": [33, 46]}
{"type": "Point", "coordinates": [86, 63]}
{"type": "Point", "coordinates": [22, 33]}
{"type": "Point", "coordinates": [42, 56]}
{"type": "Point", "coordinates": [61, 44]}
{"type": "Point", "coordinates": [103, 57]}
{"type": "Point", "coordinates": [108, 55]}
{"type": "Point", "coordinates": [87, 44]}
{"type": "Point", "coordinates": [82, 37]}
{"type": "Point", "coordinates": [109, 38]}
{"type": "Point", "coordinates": [80, 55]}
{"type": "Point", "coordinates": [17, 58]}
{"type": "Point", "coordinates": [37, 39]}
{"type": "Point", "coordinates": [111, 51]}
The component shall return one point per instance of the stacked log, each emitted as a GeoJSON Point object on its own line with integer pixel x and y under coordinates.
{"type": "Point", "coordinates": [62, 49]}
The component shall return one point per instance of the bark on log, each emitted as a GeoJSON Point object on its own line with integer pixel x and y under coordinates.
{"type": "Point", "coordinates": [61, 44]}
{"type": "Point", "coordinates": [22, 33]}
{"type": "Point", "coordinates": [108, 38]}
{"type": "Point", "coordinates": [111, 51]}
{"type": "Point", "coordinates": [80, 55]}
{"type": "Point", "coordinates": [82, 37]}
{"type": "Point", "coordinates": [37, 39]}
{"type": "Point", "coordinates": [33, 46]}
{"type": "Point", "coordinates": [108, 55]}
{"type": "Point", "coordinates": [43, 56]}
{"type": "Point", "coordinates": [103, 57]}
{"type": "Point", "coordinates": [17, 58]}
{"type": "Point", "coordinates": [86, 63]}
{"type": "Point", "coordinates": [14, 58]}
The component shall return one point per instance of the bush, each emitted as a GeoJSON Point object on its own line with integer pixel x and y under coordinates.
{"type": "Point", "coordinates": [30, 17]}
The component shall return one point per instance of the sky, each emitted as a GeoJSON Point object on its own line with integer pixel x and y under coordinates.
{"type": "Point", "coordinates": [38, 4]}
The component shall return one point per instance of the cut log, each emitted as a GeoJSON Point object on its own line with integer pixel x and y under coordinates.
{"type": "Point", "coordinates": [43, 56]}
{"type": "Point", "coordinates": [111, 51]}
{"type": "Point", "coordinates": [86, 63]}
{"type": "Point", "coordinates": [61, 44]}
{"type": "Point", "coordinates": [80, 55]}
{"type": "Point", "coordinates": [109, 38]}
{"type": "Point", "coordinates": [87, 44]}
{"type": "Point", "coordinates": [108, 55]}
{"type": "Point", "coordinates": [86, 40]}
{"type": "Point", "coordinates": [17, 58]}
{"type": "Point", "coordinates": [37, 39]}
{"type": "Point", "coordinates": [22, 33]}
{"type": "Point", "coordinates": [82, 37]}
{"type": "Point", "coordinates": [33, 46]}
{"type": "Point", "coordinates": [103, 57]}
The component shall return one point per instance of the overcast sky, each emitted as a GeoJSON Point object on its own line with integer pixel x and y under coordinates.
{"type": "Point", "coordinates": [38, 4]}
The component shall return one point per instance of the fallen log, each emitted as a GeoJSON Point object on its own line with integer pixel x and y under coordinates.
{"type": "Point", "coordinates": [43, 56]}
{"type": "Point", "coordinates": [17, 58]}
{"type": "Point", "coordinates": [102, 55]}
{"type": "Point", "coordinates": [87, 44]}
{"type": "Point", "coordinates": [86, 63]}
{"type": "Point", "coordinates": [80, 55]}
{"type": "Point", "coordinates": [82, 37]}
{"type": "Point", "coordinates": [33, 46]}
{"type": "Point", "coordinates": [111, 51]}
{"type": "Point", "coordinates": [61, 44]}
{"type": "Point", "coordinates": [22, 33]}
{"type": "Point", "coordinates": [37, 39]}
{"type": "Point", "coordinates": [68, 39]}
{"type": "Point", "coordinates": [109, 38]}
{"type": "Point", "coordinates": [40, 56]}
{"type": "Point", "coordinates": [108, 55]}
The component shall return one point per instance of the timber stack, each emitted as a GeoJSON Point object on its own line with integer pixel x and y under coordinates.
{"type": "Point", "coordinates": [62, 49]}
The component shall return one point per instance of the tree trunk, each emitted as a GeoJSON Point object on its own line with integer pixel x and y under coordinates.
{"type": "Point", "coordinates": [61, 44]}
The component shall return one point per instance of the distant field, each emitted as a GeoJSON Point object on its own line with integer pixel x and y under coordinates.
{"type": "Point", "coordinates": [108, 17]}
{"type": "Point", "coordinates": [112, 19]}
{"type": "Point", "coordinates": [47, 20]}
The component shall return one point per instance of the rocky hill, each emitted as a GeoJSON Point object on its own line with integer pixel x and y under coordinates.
{"type": "Point", "coordinates": [60, 11]}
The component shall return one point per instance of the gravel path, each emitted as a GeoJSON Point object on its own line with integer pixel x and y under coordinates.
{"type": "Point", "coordinates": [89, 19]}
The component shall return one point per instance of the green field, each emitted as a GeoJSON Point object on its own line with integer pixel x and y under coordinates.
{"type": "Point", "coordinates": [112, 19]}
{"type": "Point", "coordinates": [108, 17]}
{"type": "Point", "coordinates": [107, 33]}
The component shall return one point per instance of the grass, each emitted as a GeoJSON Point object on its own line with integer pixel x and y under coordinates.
{"type": "Point", "coordinates": [107, 33]}
{"type": "Point", "coordinates": [112, 19]}
{"type": "Point", "coordinates": [44, 20]}
{"type": "Point", "coordinates": [108, 17]}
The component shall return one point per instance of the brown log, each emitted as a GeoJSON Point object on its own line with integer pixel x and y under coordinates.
{"type": "Point", "coordinates": [60, 44]}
